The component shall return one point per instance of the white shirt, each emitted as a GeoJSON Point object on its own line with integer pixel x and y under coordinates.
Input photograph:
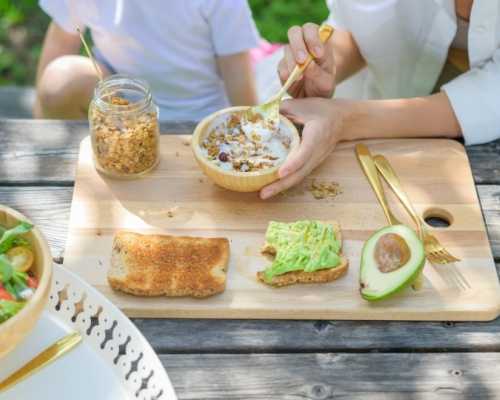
{"type": "Point", "coordinates": [405, 44]}
{"type": "Point", "coordinates": [173, 45]}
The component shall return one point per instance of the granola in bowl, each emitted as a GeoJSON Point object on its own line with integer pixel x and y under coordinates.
{"type": "Point", "coordinates": [240, 143]}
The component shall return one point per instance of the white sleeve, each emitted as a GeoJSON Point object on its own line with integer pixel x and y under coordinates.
{"type": "Point", "coordinates": [63, 13]}
{"type": "Point", "coordinates": [475, 98]}
{"type": "Point", "coordinates": [335, 17]}
{"type": "Point", "coordinates": [232, 26]}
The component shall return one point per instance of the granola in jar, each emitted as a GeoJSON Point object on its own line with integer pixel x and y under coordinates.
{"type": "Point", "coordinates": [124, 127]}
{"type": "Point", "coordinates": [243, 144]}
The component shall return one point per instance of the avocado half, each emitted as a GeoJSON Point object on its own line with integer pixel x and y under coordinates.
{"type": "Point", "coordinates": [377, 285]}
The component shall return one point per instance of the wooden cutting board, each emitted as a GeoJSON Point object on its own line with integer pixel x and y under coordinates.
{"type": "Point", "coordinates": [177, 199]}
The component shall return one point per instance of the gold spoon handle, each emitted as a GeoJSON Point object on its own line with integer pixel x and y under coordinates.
{"type": "Point", "coordinates": [91, 56]}
{"type": "Point", "coordinates": [48, 355]}
{"type": "Point", "coordinates": [368, 166]}
{"type": "Point", "coordinates": [325, 32]}
{"type": "Point", "coordinates": [393, 181]}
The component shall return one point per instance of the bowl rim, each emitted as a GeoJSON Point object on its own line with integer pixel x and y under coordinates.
{"type": "Point", "coordinates": [45, 279]}
{"type": "Point", "coordinates": [200, 128]}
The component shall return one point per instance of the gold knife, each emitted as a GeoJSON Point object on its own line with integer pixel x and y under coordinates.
{"type": "Point", "coordinates": [50, 354]}
{"type": "Point", "coordinates": [368, 166]}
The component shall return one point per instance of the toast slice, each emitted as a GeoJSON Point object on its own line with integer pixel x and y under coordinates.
{"type": "Point", "coordinates": [172, 266]}
{"type": "Point", "coordinates": [294, 277]}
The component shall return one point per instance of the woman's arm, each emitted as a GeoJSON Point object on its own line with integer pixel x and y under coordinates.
{"type": "Point", "coordinates": [57, 43]}
{"type": "Point", "coordinates": [327, 122]}
{"type": "Point", "coordinates": [429, 116]}
{"type": "Point", "coordinates": [238, 76]}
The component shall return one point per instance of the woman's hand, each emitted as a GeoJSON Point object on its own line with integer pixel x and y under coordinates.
{"type": "Point", "coordinates": [318, 79]}
{"type": "Point", "coordinates": [323, 121]}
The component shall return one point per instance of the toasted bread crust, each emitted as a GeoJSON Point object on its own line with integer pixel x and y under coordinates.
{"type": "Point", "coordinates": [162, 265]}
{"type": "Point", "coordinates": [320, 276]}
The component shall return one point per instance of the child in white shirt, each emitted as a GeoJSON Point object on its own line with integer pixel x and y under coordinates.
{"type": "Point", "coordinates": [193, 53]}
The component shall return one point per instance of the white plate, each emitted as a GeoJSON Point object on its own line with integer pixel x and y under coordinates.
{"type": "Point", "coordinates": [114, 361]}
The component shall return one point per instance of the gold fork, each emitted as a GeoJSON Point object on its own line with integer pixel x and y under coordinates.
{"type": "Point", "coordinates": [368, 166]}
{"type": "Point", "coordinates": [434, 250]}
{"type": "Point", "coordinates": [50, 354]}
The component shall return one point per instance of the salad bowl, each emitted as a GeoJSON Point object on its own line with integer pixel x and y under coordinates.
{"type": "Point", "coordinates": [14, 329]}
{"type": "Point", "coordinates": [238, 181]}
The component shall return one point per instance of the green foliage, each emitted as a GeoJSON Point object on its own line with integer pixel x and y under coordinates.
{"type": "Point", "coordinates": [23, 25]}
{"type": "Point", "coordinates": [274, 17]}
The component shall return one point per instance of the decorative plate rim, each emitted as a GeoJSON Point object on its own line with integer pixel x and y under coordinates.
{"type": "Point", "coordinates": [110, 333]}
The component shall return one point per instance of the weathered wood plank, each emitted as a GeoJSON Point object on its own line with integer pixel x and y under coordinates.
{"type": "Point", "coordinates": [274, 336]}
{"type": "Point", "coordinates": [489, 197]}
{"type": "Point", "coordinates": [485, 162]}
{"type": "Point", "coordinates": [47, 207]}
{"type": "Point", "coordinates": [457, 376]}
{"type": "Point", "coordinates": [46, 151]}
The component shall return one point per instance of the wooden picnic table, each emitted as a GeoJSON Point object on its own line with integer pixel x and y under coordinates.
{"type": "Point", "coordinates": [266, 359]}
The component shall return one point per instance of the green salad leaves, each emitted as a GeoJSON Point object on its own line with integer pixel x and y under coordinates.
{"type": "Point", "coordinates": [9, 309]}
{"type": "Point", "coordinates": [16, 286]}
{"type": "Point", "coordinates": [10, 236]}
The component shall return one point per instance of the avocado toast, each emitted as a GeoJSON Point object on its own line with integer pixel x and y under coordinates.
{"type": "Point", "coordinates": [304, 252]}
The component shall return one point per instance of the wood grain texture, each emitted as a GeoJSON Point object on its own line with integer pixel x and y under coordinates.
{"type": "Point", "coordinates": [458, 376]}
{"type": "Point", "coordinates": [102, 206]}
{"type": "Point", "coordinates": [281, 336]}
{"type": "Point", "coordinates": [49, 207]}
{"type": "Point", "coordinates": [46, 151]}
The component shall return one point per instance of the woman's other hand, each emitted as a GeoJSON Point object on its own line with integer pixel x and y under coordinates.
{"type": "Point", "coordinates": [323, 121]}
{"type": "Point", "coordinates": [318, 79]}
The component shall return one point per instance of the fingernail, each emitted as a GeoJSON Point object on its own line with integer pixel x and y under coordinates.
{"type": "Point", "coordinates": [301, 56]}
{"type": "Point", "coordinates": [318, 51]}
{"type": "Point", "coordinates": [265, 194]}
{"type": "Point", "coordinates": [282, 173]}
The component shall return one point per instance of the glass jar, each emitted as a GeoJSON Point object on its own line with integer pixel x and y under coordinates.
{"type": "Point", "coordinates": [124, 127]}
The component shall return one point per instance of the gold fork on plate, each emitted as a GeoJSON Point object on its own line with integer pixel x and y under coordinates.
{"type": "Point", "coordinates": [60, 347]}
{"type": "Point", "coordinates": [434, 250]}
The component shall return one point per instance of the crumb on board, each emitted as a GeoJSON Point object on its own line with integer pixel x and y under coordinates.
{"type": "Point", "coordinates": [186, 141]}
{"type": "Point", "coordinates": [162, 212]}
{"type": "Point", "coordinates": [323, 190]}
{"type": "Point", "coordinates": [177, 154]}
{"type": "Point", "coordinates": [200, 180]}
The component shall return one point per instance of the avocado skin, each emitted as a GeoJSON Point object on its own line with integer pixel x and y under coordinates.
{"type": "Point", "coordinates": [405, 284]}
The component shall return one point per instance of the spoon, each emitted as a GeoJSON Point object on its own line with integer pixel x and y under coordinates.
{"type": "Point", "coordinates": [270, 109]}
{"type": "Point", "coordinates": [91, 56]}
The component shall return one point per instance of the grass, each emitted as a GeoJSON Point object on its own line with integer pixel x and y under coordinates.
{"type": "Point", "coordinates": [23, 25]}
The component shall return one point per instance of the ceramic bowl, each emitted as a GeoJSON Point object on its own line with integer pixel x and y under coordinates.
{"type": "Point", "coordinates": [235, 180]}
{"type": "Point", "coordinates": [16, 328]}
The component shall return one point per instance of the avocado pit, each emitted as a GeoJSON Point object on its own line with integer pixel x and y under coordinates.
{"type": "Point", "coordinates": [391, 252]}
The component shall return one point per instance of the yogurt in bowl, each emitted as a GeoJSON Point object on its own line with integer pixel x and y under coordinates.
{"type": "Point", "coordinates": [241, 152]}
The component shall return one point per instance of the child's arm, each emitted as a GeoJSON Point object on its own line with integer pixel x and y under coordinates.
{"type": "Point", "coordinates": [57, 43]}
{"type": "Point", "coordinates": [238, 76]}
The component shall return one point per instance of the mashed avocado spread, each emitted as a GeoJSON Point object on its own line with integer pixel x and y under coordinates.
{"type": "Point", "coordinates": [301, 246]}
